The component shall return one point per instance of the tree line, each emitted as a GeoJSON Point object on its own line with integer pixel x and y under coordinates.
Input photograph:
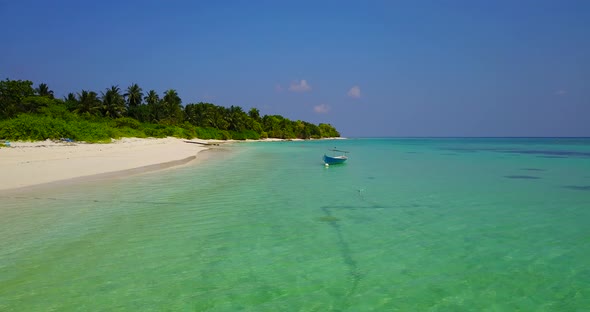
{"type": "Point", "coordinates": [134, 109]}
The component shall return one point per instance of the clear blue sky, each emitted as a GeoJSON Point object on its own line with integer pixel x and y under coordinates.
{"type": "Point", "coordinates": [370, 68]}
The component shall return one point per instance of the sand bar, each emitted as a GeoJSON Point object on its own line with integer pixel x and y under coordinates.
{"type": "Point", "coordinates": [31, 163]}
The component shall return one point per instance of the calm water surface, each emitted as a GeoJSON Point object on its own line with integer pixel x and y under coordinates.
{"type": "Point", "coordinates": [405, 225]}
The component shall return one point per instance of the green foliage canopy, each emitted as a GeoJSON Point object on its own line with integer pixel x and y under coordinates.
{"type": "Point", "coordinates": [34, 114]}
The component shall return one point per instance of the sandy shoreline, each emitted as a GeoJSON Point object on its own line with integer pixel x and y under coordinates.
{"type": "Point", "coordinates": [27, 164]}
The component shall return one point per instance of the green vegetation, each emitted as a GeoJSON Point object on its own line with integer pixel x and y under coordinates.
{"type": "Point", "coordinates": [28, 113]}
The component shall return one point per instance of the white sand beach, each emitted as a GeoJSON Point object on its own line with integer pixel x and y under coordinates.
{"type": "Point", "coordinates": [31, 163]}
{"type": "Point", "coordinates": [26, 164]}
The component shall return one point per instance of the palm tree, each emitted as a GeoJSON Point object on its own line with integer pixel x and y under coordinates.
{"type": "Point", "coordinates": [191, 114]}
{"type": "Point", "coordinates": [43, 90]}
{"type": "Point", "coordinates": [113, 102]}
{"type": "Point", "coordinates": [88, 102]}
{"type": "Point", "coordinates": [201, 114]}
{"type": "Point", "coordinates": [152, 100]}
{"type": "Point", "coordinates": [71, 97]}
{"type": "Point", "coordinates": [236, 118]}
{"type": "Point", "coordinates": [171, 105]}
{"type": "Point", "coordinates": [134, 96]}
{"type": "Point", "coordinates": [254, 113]}
{"type": "Point", "coordinates": [217, 118]}
{"type": "Point", "coordinates": [71, 101]}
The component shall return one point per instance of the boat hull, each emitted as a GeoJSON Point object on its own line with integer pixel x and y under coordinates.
{"type": "Point", "coordinates": [333, 160]}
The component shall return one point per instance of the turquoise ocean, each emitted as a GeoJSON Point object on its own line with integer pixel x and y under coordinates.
{"type": "Point", "coordinates": [405, 225]}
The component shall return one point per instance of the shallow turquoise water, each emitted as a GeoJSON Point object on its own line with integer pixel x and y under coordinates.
{"type": "Point", "coordinates": [405, 225]}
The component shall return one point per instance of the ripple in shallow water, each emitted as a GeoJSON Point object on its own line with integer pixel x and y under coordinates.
{"type": "Point", "coordinates": [521, 177]}
{"type": "Point", "coordinates": [578, 187]}
{"type": "Point", "coordinates": [533, 169]}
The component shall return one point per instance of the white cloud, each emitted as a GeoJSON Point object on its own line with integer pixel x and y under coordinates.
{"type": "Point", "coordinates": [321, 109]}
{"type": "Point", "coordinates": [299, 86]}
{"type": "Point", "coordinates": [560, 92]}
{"type": "Point", "coordinates": [354, 92]}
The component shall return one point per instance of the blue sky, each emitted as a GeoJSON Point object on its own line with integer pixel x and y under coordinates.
{"type": "Point", "coordinates": [370, 68]}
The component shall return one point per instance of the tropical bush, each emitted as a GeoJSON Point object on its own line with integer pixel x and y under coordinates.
{"type": "Point", "coordinates": [28, 113]}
